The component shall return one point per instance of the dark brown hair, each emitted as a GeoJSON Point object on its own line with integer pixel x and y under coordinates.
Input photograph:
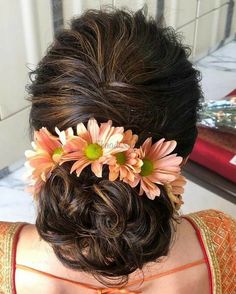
{"type": "Point", "coordinates": [119, 65]}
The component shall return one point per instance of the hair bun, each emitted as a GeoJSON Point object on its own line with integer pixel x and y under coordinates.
{"type": "Point", "coordinates": [101, 226]}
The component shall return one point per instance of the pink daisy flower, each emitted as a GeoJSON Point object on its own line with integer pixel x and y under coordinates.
{"type": "Point", "coordinates": [177, 185]}
{"type": "Point", "coordinates": [45, 157]}
{"type": "Point", "coordinates": [175, 189]}
{"type": "Point", "coordinates": [158, 167]}
{"type": "Point", "coordinates": [91, 145]}
{"type": "Point", "coordinates": [126, 163]}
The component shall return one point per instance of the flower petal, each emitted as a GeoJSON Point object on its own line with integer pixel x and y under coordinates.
{"type": "Point", "coordinates": [177, 190]}
{"type": "Point", "coordinates": [113, 174]}
{"type": "Point", "coordinates": [71, 156]}
{"type": "Point", "coordinates": [45, 140]}
{"type": "Point", "coordinates": [160, 178]}
{"type": "Point", "coordinates": [79, 166]}
{"type": "Point", "coordinates": [93, 129]}
{"type": "Point", "coordinates": [130, 176]}
{"type": "Point", "coordinates": [80, 129]}
{"type": "Point", "coordinates": [155, 148]}
{"type": "Point", "coordinates": [96, 167]}
{"type": "Point", "coordinates": [167, 147]}
{"type": "Point", "coordinates": [105, 132]}
{"type": "Point", "coordinates": [129, 138]}
{"type": "Point", "coordinates": [123, 172]}
{"type": "Point", "coordinates": [30, 153]}
{"type": "Point", "coordinates": [133, 183]}
{"type": "Point", "coordinates": [167, 161]}
{"type": "Point", "coordinates": [34, 145]}
{"type": "Point", "coordinates": [150, 188]}
{"type": "Point", "coordinates": [146, 145]}
{"type": "Point", "coordinates": [114, 140]}
{"type": "Point", "coordinates": [76, 144]}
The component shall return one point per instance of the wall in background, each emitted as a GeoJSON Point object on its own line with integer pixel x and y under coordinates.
{"type": "Point", "coordinates": [26, 30]}
{"type": "Point", "coordinates": [205, 24]}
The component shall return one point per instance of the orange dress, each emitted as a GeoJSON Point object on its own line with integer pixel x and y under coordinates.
{"type": "Point", "coordinates": [216, 232]}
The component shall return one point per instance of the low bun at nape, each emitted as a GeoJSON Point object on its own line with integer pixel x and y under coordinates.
{"type": "Point", "coordinates": [118, 65]}
{"type": "Point", "coordinates": [100, 226]}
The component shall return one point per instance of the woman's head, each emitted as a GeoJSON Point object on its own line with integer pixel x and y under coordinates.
{"type": "Point", "coordinates": [121, 66]}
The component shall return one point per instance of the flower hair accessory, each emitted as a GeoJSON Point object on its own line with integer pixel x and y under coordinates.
{"type": "Point", "coordinates": [148, 166]}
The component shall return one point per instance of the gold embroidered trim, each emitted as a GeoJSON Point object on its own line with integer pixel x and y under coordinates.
{"type": "Point", "coordinates": [8, 232]}
{"type": "Point", "coordinates": [218, 231]}
{"type": "Point", "coordinates": [208, 244]}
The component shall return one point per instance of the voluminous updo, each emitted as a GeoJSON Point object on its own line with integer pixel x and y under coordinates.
{"type": "Point", "coordinates": [119, 65]}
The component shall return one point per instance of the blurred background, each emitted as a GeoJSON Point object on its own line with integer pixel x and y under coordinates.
{"type": "Point", "coordinates": [27, 27]}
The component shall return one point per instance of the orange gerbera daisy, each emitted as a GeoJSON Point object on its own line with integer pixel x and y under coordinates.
{"type": "Point", "coordinates": [91, 145]}
{"type": "Point", "coordinates": [126, 163]}
{"type": "Point", "coordinates": [158, 167]}
{"type": "Point", "coordinates": [175, 189]}
{"type": "Point", "coordinates": [46, 155]}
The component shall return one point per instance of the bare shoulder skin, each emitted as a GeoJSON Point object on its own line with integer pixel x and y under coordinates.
{"type": "Point", "coordinates": [36, 253]}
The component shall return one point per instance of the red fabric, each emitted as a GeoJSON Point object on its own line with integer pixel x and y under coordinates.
{"type": "Point", "coordinates": [232, 93]}
{"type": "Point", "coordinates": [215, 158]}
{"type": "Point", "coordinates": [214, 150]}
{"type": "Point", "coordinates": [15, 242]}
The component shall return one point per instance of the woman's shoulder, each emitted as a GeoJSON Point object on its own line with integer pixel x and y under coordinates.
{"type": "Point", "coordinates": [213, 219]}
{"type": "Point", "coordinates": [215, 226]}
{"type": "Point", "coordinates": [217, 234]}
{"type": "Point", "coordinates": [211, 212]}
{"type": "Point", "coordinates": [9, 228]}
{"type": "Point", "coordinates": [9, 232]}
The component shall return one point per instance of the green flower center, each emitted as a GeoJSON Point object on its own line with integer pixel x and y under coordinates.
{"type": "Point", "coordinates": [93, 151]}
{"type": "Point", "coordinates": [58, 151]}
{"type": "Point", "coordinates": [120, 158]}
{"type": "Point", "coordinates": [57, 154]}
{"type": "Point", "coordinates": [146, 168]}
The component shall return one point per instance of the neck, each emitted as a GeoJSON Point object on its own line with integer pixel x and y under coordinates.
{"type": "Point", "coordinates": [35, 252]}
